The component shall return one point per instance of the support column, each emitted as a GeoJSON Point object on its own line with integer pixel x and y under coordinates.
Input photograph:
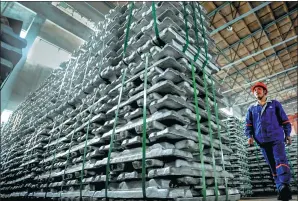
{"type": "Point", "coordinates": [32, 33]}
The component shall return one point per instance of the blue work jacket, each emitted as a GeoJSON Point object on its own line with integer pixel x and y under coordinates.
{"type": "Point", "coordinates": [267, 123]}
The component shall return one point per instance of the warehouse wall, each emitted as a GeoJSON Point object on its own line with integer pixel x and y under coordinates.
{"type": "Point", "coordinates": [28, 80]}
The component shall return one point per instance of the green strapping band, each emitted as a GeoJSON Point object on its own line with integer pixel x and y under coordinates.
{"type": "Point", "coordinates": [113, 135]}
{"type": "Point", "coordinates": [208, 109]}
{"type": "Point", "coordinates": [54, 159]}
{"type": "Point", "coordinates": [64, 76]}
{"type": "Point", "coordinates": [197, 112]}
{"type": "Point", "coordinates": [117, 110]}
{"type": "Point", "coordinates": [84, 160]}
{"type": "Point", "coordinates": [199, 130]}
{"type": "Point", "coordinates": [219, 137]}
{"type": "Point", "coordinates": [85, 147]}
{"type": "Point", "coordinates": [68, 154]}
{"type": "Point", "coordinates": [128, 28]}
{"type": "Point", "coordinates": [198, 120]}
{"type": "Point", "coordinates": [144, 130]}
{"type": "Point", "coordinates": [72, 135]}
{"type": "Point", "coordinates": [155, 20]}
{"type": "Point", "coordinates": [63, 119]}
{"type": "Point", "coordinates": [196, 31]}
{"type": "Point", "coordinates": [186, 28]}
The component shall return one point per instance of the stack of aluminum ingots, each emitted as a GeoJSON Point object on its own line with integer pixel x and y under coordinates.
{"type": "Point", "coordinates": [86, 133]}
{"type": "Point", "coordinates": [238, 159]}
{"type": "Point", "coordinates": [262, 180]}
{"type": "Point", "coordinates": [260, 174]}
{"type": "Point", "coordinates": [292, 154]}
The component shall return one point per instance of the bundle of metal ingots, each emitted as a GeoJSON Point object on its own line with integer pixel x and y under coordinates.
{"type": "Point", "coordinates": [61, 138]}
{"type": "Point", "coordinates": [261, 178]}
{"type": "Point", "coordinates": [238, 159]}
{"type": "Point", "coordinates": [292, 155]}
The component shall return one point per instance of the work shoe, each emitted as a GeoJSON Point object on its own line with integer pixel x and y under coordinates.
{"type": "Point", "coordinates": [285, 193]}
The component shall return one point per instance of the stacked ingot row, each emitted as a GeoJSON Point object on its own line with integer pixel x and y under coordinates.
{"type": "Point", "coordinates": [238, 159]}
{"type": "Point", "coordinates": [261, 178]}
{"type": "Point", "coordinates": [72, 140]}
{"type": "Point", "coordinates": [292, 154]}
{"type": "Point", "coordinates": [260, 174]}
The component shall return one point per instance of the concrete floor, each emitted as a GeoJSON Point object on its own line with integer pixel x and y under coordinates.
{"type": "Point", "coordinates": [271, 198]}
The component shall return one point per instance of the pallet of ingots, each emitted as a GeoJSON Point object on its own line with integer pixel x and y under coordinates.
{"type": "Point", "coordinates": [13, 146]}
{"type": "Point", "coordinates": [110, 125]}
{"type": "Point", "coordinates": [293, 160]}
{"type": "Point", "coordinates": [36, 112]}
{"type": "Point", "coordinates": [238, 159]}
{"type": "Point", "coordinates": [172, 142]}
{"type": "Point", "coordinates": [261, 178]}
{"type": "Point", "coordinates": [23, 145]}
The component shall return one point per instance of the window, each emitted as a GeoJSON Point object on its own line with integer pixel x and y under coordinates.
{"type": "Point", "coordinates": [5, 116]}
{"type": "Point", "coordinates": [23, 33]}
{"type": "Point", "coordinates": [46, 54]}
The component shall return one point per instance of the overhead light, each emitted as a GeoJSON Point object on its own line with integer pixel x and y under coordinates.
{"type": "Point", "coordinates": [23, 33]}
{"type": "Point", "coordinates": [230, 28]}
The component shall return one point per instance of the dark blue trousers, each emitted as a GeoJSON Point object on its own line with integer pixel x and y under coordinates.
{"type": "Point", "coordinates": [275, 155]}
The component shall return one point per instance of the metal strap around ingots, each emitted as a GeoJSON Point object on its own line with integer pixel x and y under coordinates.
{"type": "Point", "coordinates": [85, 146]}
{"type": "Point", "coordinates": [59, 131]}
{"type": "Point", "coordinates": [155, 20]}
{"type": "Point", "coordinates": [118, 105]}
{"type": "Point", "coordinates": [198, 120]}
{"type": "Point", "coordinates": [208, 109]}
{"type": "Point", "coordinates": [219, 137]}
{"type": "Point", "coordinates": [68, 153]}
{"type": "Point", "coordinates": [196, 31]}
{"type": "Point", "coordinates": [144, 129]}
{"type": "Point", "coordinates": [72, 135]}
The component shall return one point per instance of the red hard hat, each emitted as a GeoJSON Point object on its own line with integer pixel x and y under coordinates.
{"type": "Point", "coordinates": [258, 84]}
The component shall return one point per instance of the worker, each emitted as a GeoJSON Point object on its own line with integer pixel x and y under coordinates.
{"type": "Point", "coordinates": [268, 124]}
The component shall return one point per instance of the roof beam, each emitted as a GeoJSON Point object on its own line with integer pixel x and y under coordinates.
{"type": "Point", "coordinates": [259, 52]}
{"type": "Point", "coordinates": [259, 30]}
{"type": "Point", "coordinates": [212, 13]}
{"type": "Point", "coordinates": [261, 79]}
{"type": "Point", "coordinates": [87, 10]}
{"type": "Point", "coordinates": [109, 4]}
{"type": "Point", "coordinates": [60, 18]}
{"type": "Point", "coordinates": [290, 101]}
{"type": "Point", "coordinates": [99, 6]}
{"type": "Point", "coordinates": [262, 60]}
{"type": "Point", "coordinates": [240, 17]}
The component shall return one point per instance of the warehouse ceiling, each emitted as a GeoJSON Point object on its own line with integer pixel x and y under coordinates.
{"type": "Point", "coordinates": [255, 41]}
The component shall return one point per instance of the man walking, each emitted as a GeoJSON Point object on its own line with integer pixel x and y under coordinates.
{"type": "Point", "coordinates": [268, 124]}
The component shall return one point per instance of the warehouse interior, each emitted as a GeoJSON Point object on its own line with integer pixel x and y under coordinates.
{"type": "Point", "coordinates": [142, 100]}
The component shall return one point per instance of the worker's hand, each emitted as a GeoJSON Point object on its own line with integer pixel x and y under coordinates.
{"type": "Point", "coordinates": [250, 141]}
{"type": "Point", "coordinates": [288, 140]}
